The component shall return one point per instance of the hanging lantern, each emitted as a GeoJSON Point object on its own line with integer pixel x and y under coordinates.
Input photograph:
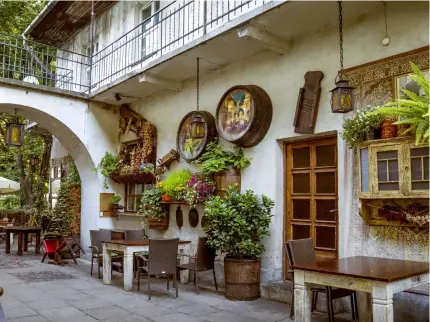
{"type": "Point", "coordinates": [198, 124]}
{"type": "Point", "coordinates": [14, 134]}
{"type": "Point", "coordinates": [342, 96]}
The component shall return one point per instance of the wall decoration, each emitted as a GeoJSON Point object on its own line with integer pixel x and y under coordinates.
{"type": "Point", "coordinates": [179, 217]}
{"type": "Point", "coordinates": [375, 82]}
{"type": "Point", "coordinates": [191, 149]}
{"type": "Point", "coordinates": [136, 155]}
{"type": "Point", "coordinates": [244, 115]}
{"type": "Point", "coordinates": [307, 103]}
{"type": "Point", "coordinates": [406, 82]}
{"type": "Point", "coordinates": [193, 217]}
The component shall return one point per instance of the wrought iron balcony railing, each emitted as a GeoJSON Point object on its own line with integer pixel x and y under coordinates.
{"type": "Point", "coordinates": [170, 28]}
{"type": "Point", "coordinates": [36, 63]}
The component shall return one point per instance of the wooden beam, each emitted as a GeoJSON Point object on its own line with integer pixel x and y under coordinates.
{"type": "Point", "coordinates": [272, 42]}
{"type": "Point", "coordinates": [170, 84]}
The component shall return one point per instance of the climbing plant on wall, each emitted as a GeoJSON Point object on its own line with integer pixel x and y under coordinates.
{"type": "Point", "coordinates": [68, 206]}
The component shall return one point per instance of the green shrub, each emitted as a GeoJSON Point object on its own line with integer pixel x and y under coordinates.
{"type": "Point", "coordinates": [150, 204]}
{"type": "Point", "coordinates": [174, 185]}
{"type": "Point", "coordinates": [107, 165]}
{"type": "Point", "coordinates": [236, 224]}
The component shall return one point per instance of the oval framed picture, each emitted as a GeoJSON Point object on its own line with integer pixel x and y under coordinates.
{"type": "Point", "coordinates": [243, 115]}
{"type": "Point", "coordinates": [191, 149]}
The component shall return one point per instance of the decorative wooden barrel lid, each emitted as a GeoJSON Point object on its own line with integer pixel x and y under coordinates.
{"type": "Point", "coordinates": [191, 149]}
{"type": "Point", "coordinates": [244, 115]}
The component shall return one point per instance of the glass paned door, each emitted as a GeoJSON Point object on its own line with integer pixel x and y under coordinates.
{"type": "Point", "coordinates": [420, 168]}
{"type": "Point", "coordinates": [311, 194]}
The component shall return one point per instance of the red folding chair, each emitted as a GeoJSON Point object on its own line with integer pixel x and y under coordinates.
{"type": "Point", "coordinates": [57, 248]}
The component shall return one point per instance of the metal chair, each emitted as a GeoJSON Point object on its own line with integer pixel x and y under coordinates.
{"type": "Point", "coordinates": [203, 261]}
{"type": "Point", "coordinates": [301, 251]}
{"type": "Point", "coordinates": [97, 237]}
{"type": "Point", "coordinates": [161, 261]}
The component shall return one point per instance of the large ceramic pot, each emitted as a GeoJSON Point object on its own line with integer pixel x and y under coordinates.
{"type": "Point", "coordinates": [224, 179]}
{"type": "Point", "coordinates": [242, 279]}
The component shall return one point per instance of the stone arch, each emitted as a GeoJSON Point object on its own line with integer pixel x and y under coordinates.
{"type": "Point", "coordinates": [66, 119]}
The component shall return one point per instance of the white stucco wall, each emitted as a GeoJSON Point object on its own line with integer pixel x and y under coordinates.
{"type": "Point", "coordinates": [281, 77]}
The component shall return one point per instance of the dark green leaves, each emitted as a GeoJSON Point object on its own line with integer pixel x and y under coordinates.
{"type": "Point", "coordinates": [237, 224]}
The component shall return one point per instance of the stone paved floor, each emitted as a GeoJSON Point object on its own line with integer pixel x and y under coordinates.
{"type": "Point", "coordinates": [36, 292]}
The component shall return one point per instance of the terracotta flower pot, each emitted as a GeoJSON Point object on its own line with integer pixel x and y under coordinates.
{"type": "Point", "coordinates": [388, 129]}
{"type": "Point", "coordinates": [165, 198]}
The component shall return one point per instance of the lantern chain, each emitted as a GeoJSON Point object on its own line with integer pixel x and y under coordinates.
{"type": "Point", "coordinates": [198, 82]}
{"type": "Point", "coordinates": [340, 35]}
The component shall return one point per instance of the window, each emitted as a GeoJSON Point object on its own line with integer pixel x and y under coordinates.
{"type": "Point", "coordinates": [87, 52]}
{"type": "Point", "coordinates": [146, 12]}
{"type": "Point", "coordinates": [133, 192]}
{"type": "Point", "coordinates": [56, 172]}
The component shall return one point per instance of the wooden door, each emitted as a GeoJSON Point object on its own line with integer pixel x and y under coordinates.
{"type": "Point", "coordinates": [311, 195]}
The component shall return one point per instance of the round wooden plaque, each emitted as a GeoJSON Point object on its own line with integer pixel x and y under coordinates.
{"type": "Point", "coordinates": [244, 115]}
{"type": "Point", "coordinates": [193, 217]}
{"type": "Point", "coordinates": [179, 217]}
{"type": "Point", "coordinates": [191, 149]}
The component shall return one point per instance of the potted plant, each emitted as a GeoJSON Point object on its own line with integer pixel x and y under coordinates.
{"type": "Point", "coordinates": [108, 165]}
{"type": "Point", "coordinates": [224, 165]}
{"type": "Point", "coordinates": [235, 226]}
{"type": "Point", "coordinates": [198, 189]}
{"type": "Point", "coordinates": [361, 126]}
{"type": "Point", "coordinates": [173, 187]}
{"type": "Point", "coordinates": [115, 205]}
{"type": "Point", "coordinates": [152, 209]}
{"type": "Point", "coordinates": [413, 111]}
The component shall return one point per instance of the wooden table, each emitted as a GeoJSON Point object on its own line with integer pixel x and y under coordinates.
{"type": "Point", "coordinates": [380, 277]}
{"type": "Point", "coordinates": [22, 231]}
{"type": "Point", "coordinates": [128, 248]}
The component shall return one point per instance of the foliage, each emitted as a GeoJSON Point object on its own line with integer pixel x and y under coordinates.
{"type": "Point", "coordinates": [10, 202]}
{"type": "Point", "coordinates": [357, 126]}
{"type": "Point", "coordinates": [236, 224]}
{"type": "Point", "coordinates": [215, 159]}
{"type": "Point", "coordinates": [147, 168]}
{"type": "Point", "coordinates": [15, 16]}
{"type": "Point", "coordinates": [414, 111]}
{"type": "Point", "coordinates": [150, 204]}
{"type": "Point", "coordinates": [174, 185]}
{"type": "Point", "coordinates": [116, 199]}
{"type": "Point", "coordinates": [108, 164]}
{"type": "Point", "coordinates": [198, 189]}
{"type": "Point", "coordinates": [68, 206]}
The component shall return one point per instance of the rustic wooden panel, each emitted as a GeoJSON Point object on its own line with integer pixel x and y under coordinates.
{"type": "Point", "coordinates": [105, 204]}
{"type": "Point", "coordinates": [307, 103]}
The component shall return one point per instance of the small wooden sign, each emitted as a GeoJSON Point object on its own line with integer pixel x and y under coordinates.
{"type": "Point", "coordinates": [106, 204]}
{"type": "Point", "coordinates": [307, 103]}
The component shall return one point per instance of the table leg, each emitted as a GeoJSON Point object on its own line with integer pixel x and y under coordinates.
{"type": "Point", "coordinates": [8, 242]}
{"type": "Point", "coordinates": [20, 243]}
{"type": "Point", "coordinates": [382, 299]}
{"type": "Point", "coordinates": [37, 243]}
{"type": "Point", "coordinates": [107, 265]}
{"type": "Point", "coordinates": [128, 270]}
{"type": "Point", "coordinates": [25, 242]}
{"type": "Point", "coordinates": [302, 298]}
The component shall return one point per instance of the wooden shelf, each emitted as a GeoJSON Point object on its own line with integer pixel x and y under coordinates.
{"type": "Point", "coordinates": [173, 202]}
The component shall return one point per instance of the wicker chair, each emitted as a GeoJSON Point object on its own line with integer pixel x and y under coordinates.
{"type": "Point", "coordinates": [203, 261]}
{"type": "Point", "coordinates": [301, 251]}
{"type": "Point", "coordinates": [135, 234]}
{"type": "Point", "coordinates": [97, 237]}
{"type": "Point", "coordinates": [161, 261]}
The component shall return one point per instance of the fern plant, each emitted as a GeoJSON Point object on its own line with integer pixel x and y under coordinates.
{"type": "Point", "coordinates": [413, 111]}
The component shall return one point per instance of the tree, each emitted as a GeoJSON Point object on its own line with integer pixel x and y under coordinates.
{"type": "Point", "coordinates": [16, 16]}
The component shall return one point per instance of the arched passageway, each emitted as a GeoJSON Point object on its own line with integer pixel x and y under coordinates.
{"type": "Point", "coordinates": [72, 122]}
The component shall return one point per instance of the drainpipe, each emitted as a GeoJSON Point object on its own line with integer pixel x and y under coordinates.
{"type": "Point", "coordinates": [91, 45]}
